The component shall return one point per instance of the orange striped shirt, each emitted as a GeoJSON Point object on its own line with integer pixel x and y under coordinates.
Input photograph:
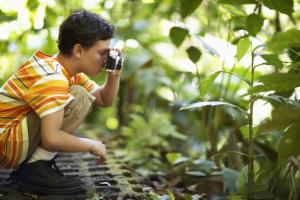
{"type": "Point", "coordinates": [40, 84]}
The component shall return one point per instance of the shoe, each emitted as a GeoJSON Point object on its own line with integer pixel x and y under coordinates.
{"type": "Point", "coordinates": [44, 177]}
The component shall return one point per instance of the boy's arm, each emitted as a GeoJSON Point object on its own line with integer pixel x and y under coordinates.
{"type": "Point", "coordinates": [106, 94]}
{"type": "Point", "coordinates": [55, 139]}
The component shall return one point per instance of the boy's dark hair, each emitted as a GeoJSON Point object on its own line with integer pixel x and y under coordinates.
{"type": "Point", "coordinates": [85, 28]}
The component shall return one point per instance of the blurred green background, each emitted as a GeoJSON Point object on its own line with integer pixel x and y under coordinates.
{"type": "Point", "coordinates": [216, 59]}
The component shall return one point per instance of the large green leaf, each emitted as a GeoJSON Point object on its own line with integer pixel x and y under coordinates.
{"type": "Point", "coordinates": [278, 82]}
{"type": "Point", "coordinates": [188, 7]}
{"type": "Point", "coordinates": [289, 144]}
{"type": "Point", "coordinates": [237, 2]}
{"type": "Point", "coordinates": [282, 117]}
{"type": "Point", "coordinates": [177, 35]}
{"type": "Point", "coordinates": [280, 41]}
{"type": "Point", "coordinates": [242, 48]}
{"type": "Point", "coordinates": [210, 103]}
{"type": "Point", "coordinates": [284, 6]}
{"type": "Point", "coordinates": [207, 82]}
{"type": "Point", "coordinates": [254, 23]}
{"type": "Point", "coordinates": [194, 54]}
{"type": "Point", "coordinates": [273, 59]}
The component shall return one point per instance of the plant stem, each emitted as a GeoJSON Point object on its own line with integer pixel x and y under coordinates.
{"type": "Point", "coordinates": [250, 145]}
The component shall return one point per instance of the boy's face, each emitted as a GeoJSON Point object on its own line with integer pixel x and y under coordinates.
{"type": "Point", "coordinates": [94, 58]}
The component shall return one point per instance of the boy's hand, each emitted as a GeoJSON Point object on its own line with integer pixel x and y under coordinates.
{"type": "Point", "coordinates": [98, 149]}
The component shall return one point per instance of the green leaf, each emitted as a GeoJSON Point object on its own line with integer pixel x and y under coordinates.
{"type": "Point", "coordinates": [282, 40]}
{"type": "Point", "coordinates": [237, 198]}
{"type": "Point", "coordinates": [277, 100]}
{"type": "Point", "coordinates": [229, 179]}
{"type": "Point", "coordinates": [289, 144]}
{"type": "Point", "coordinates": [210, 103]}
{"type": "Point", "coordinates": [272, 59]}
{"type": "Point", "coordinates": [172, 157]}
{"type": "Point", "coordinates": [242, 48]}
{"type": "Point", "coordinates": [207, 82]}
{"type": "Point", "coordinates": [262, 194]}
{"type": "Point", "coordinates": [254, 23]}
{"type": "Point", "coordinates": [278, 82]}
{"type": "Point", "coordinates": [282, 117]}
{"type": "Point", "coordinates": [194, 54]}
{"type": "Point", "coordinates": [242, 178]}
{"type": "Point", "coordinates": [237, 2]}
{"type": "Point", "coordinates": [206, 166]}
{"type": "Point", "coordinates": [176, 158]}
{"type": "Point", "coordinates": [177, 35]}
{"type": "Point", "coordinates": [245, 131]}
{"type": "Point", "coordinates": [195, 174]}
{"type": "Point", "coordinates": [283, 6]}
{"type": "Point", "coordinates": [188, 7]}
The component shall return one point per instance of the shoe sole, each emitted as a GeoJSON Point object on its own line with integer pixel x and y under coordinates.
{"type": "Point", "coordinates": [27, 188]}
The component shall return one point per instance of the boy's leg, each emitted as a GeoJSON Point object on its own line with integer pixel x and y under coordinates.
{"type": "Point", "coordinates": [40, 172]}
{"type": "Point", "coordinates": [74, 114]}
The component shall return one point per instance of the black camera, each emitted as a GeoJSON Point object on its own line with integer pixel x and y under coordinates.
{"type": "Point", "coordinates": [114, 61]}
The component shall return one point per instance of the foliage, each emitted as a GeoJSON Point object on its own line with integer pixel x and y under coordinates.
{"type": "Point", "coordinates": [150, 135]}
{"type": "Point", "coordinates": [220, 57]}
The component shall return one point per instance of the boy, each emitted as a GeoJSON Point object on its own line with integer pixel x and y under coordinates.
{"type": "Point", "coordinates": [48, 97]}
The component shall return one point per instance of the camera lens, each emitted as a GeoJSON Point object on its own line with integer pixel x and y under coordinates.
{"type": "Point", "coordinates": [112, 60]}
{"type": "Point", "coordinates": [120, 63]}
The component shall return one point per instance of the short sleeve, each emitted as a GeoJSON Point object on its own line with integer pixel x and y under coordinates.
{"type": "Point", "coordinates": [48, 95]}
{"type": "Point", "coordinates": [84, 81]}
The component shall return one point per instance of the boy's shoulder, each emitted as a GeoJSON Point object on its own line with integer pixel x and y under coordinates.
{"type": "Point", "coordinates": [45, 64]}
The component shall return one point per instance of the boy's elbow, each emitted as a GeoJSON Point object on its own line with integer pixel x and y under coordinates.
{"type": "Point", "coordinates": [105, 104]}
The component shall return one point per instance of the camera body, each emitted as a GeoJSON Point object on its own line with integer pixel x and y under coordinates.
{"type": "Point", "coordinates": [114, 61]}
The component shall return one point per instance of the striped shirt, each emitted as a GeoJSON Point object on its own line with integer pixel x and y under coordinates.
{"type": "Point", "coordinates": [40, 84]}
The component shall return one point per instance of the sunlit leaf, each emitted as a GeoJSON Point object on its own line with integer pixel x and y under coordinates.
{"type": "Point", "coordinates": [172, 157]}
{"type": "Point", "coordinates": [194, 54]}
{"type": "Point", "coordinates": [171, 195]}
{"type": "Point", "coordinates": [254, 23]}
{"type": "Point", "coordinates": [289, 144]}
{"type": "Point", "coordinates": [242, 48]}
{"type": "Point", "coordinates": [284, 6]}
{"type": "Point", "coordinates": [207, 82]}
{"type": "Point", "coordinates": [284, 40]}
{"type": "Point", "coordinates": [188, 7]}
{"type": "Point", "coordinates": [210, 103]}
{"type": "Point", "coordinates": [177, 35]}
{"type": "Point", "coordinates": [237, 2]}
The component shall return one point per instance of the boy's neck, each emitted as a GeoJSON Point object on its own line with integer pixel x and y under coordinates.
{"type": "Point", "coordinates": [68, 63]}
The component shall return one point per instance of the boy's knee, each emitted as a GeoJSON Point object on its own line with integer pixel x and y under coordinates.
{"type": "Point", "coordinates": [80, 106]}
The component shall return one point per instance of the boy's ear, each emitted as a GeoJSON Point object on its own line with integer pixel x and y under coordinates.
{"type": "Point", "coordinates": [77, 50]}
